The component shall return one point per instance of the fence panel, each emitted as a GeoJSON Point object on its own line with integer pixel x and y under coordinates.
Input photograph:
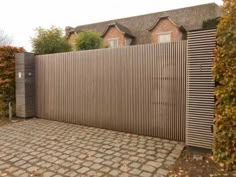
{"type": "Point", "coordinates": [138, 89]}
{"type": "Point", "coordinates": [200, 88]}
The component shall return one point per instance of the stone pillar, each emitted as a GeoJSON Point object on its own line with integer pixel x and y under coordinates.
{"type": "Point", "coordinates": [25, 88]}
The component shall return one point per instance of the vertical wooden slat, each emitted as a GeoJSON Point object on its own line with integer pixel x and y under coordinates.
{"type": "Point", "coordinates": [138, 89]}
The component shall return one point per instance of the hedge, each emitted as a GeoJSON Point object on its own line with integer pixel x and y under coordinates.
{"type": "Point", "coordinates": [7, 77]}
{"type": "Point", "coordinates": [225, 78]}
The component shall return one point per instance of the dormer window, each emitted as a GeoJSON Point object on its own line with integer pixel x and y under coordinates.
{"type": "Point", "coordinates": [164, 37]}
{"type": "Point", "coordinates": [113, 43]}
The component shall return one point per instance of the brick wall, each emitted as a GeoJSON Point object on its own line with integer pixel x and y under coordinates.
{"type": "Point", "coordinates": [166, 25]}
{"type": "Point", "coordinates": [113, 32]}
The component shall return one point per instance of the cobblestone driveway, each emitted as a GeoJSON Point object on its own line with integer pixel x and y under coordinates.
{"type": "Point", "coordinates": [45, 148]}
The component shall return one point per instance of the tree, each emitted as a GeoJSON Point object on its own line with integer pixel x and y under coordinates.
{"type": "Point", "coordinates": [7, 77]}
{"type": "Point", "coordinates": [225, 78]}
{"type": "Point", "coordinates": [4, 38]}
{"type": "Point", "coordinates": [88, 40]}
{"type": "Point", "coordinates": [49, 41]}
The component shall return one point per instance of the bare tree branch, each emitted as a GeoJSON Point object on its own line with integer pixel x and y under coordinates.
{"type": "Point", "coordinates": [4, 38]}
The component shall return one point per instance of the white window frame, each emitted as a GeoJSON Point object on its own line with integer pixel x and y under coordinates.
{"type": "Point", "coordinates": [163, 33]}
{"type": "Point", "coordinates": [113, 39]}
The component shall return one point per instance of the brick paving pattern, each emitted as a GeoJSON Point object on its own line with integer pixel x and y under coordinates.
{"type": "Point", "coordinates": [45, 148]}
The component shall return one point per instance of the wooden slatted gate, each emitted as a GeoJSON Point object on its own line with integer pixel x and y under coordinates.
{"type": "Point", "coordinates": [139, 89]}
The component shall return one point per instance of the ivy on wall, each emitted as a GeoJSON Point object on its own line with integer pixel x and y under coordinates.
{"type": "Point", "coordinates": [7, 77]}
{"type": "Point", "coordinates": [225, 78]}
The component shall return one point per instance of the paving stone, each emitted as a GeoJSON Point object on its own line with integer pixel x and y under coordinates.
{"type": "Point", "coordinates": [135, 165]}
{"type": "Point", "coordinates": [46, 164]}
{"type": "Point", "coordinates": [114, 172]}
{"type": "Point", "coordinates": [14, 159]}
{"type": "Point", "coordinates": [83, 170]}
{"type": "Point", "coordinates": [24, 175]}
{"type": "Point", "coordinates": [98, 160]}
{"type": "Point", "coordinates": [145, 174]}
{"type": "Point", "coordinates": [32, 169]}
{"type": "Point", "coordinates": [96, 166]}
{"type": "Point", "coordinates": [87, 163]}
{"type": "Point", "coordinates": [20, 162]}
{"type": "Point", "coordinates": [124, 175]}
{"type": "Point", "coordinates": [18, 172]}
{"type": "Point", "coordinates": [124, 168]}
{"type": "Point", "coordinates": [148, 168]}
{"type": "Point", "coordinates": [4, 166]}
{"type": "Point", "coordinates": [62, 170]}
{"type": "Point", "coordinates": [75, 167]}
{"type": "Point", "coordinates": [11, 169]}
{"type": "Point", "coordinates": [58, 175]}
{"type": "Point", "coordinates": [54, 167]}
{"type": "Point", "coordinates": [105, 169]}
{"type": "Point", "coordinates": [169, 163]}
{"type": "Point", "coordinates": [71, 150]}
{"type": "Point", "coordinates": [135, 171]}
{"type": "Point", "coordinates": [154, 164]}
{"type": "Point", "coordinates": [116, 165]}
{"type": "Point", "coordinates": [92, 173]}
{"type": "Point", "coordinates": [66, 164]}
{"type": "Point", "coordinates": [162, 171]}
{"type": "Point", "coordinates": [48, 174]}
{"type": "Point", "coordinates": [134, 158]}
{"type": "Point", "coordinates": [107, 163]}
{"type": "Point", "coordinates": [72, 159]}
{"type": "Point", "coordinates": [126, 162]}
{"type": "Point", "coordinates": [71, 174]}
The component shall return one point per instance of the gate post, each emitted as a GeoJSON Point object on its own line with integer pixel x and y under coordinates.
{"type": "Point", "coordinates": [25, 88]}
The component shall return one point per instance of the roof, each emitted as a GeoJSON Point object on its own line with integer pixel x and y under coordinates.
{"type": "Point", "coordinates": [166, 17]}
{"type": "Point", "coordinates": [120, 27]}
{"type": "Point", "coordinates": [190, 18]}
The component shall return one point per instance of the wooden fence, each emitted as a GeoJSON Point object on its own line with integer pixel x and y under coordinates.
{"type": "Point", "coordinates": [200, 88]}
{"type": "Point", "coordinates": [139, 89]}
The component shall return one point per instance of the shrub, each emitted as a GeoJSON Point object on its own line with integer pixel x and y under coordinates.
{"type": "Point", "coordinates": [88, 40]}
{"type": "Point", "coordinates": [210, 23]}
{"type": "Point", "coordinates": [49, 41]}
{"type": "Point", "coordinates": [7, 77]}
{"type": "Point", "coordinates": [225, 77]}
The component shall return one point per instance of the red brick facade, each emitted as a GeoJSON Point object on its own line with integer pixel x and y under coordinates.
{"type": "Point", "coordinates": [114, 33]}
{"type": "Point", "coordinates": [165, 25]}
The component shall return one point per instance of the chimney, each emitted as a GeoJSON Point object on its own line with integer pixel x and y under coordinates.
{"type": "Point", "coordinates": [68, 30]}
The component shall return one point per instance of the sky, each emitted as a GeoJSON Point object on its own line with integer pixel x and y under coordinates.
{"type": "Point", "coordinates": [19, 19]}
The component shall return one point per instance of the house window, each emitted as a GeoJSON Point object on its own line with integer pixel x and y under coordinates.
{"type": "Point", "coordinates": [163, 37]}
{"type": "Point", "coordinates": [113, 43]}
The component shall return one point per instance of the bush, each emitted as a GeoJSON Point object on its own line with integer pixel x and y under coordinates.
{"type": "Point", "coordinates": [88, 40]}
{"type": "Point", "coordinates": [7, 77]}
{"type": "Point", "coordinates": [49, 41]}
{"type": "Point", "coordinates": [225, 92]}
{"type": "Point", "coordinates": [210, 23]}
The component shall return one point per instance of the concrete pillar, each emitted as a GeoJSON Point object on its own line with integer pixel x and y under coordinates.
{"type": "Point", "coordinates": [25, 88]}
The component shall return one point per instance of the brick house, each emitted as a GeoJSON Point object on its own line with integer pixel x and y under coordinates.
{"type": "Point", "coordinates": [160, 27]}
